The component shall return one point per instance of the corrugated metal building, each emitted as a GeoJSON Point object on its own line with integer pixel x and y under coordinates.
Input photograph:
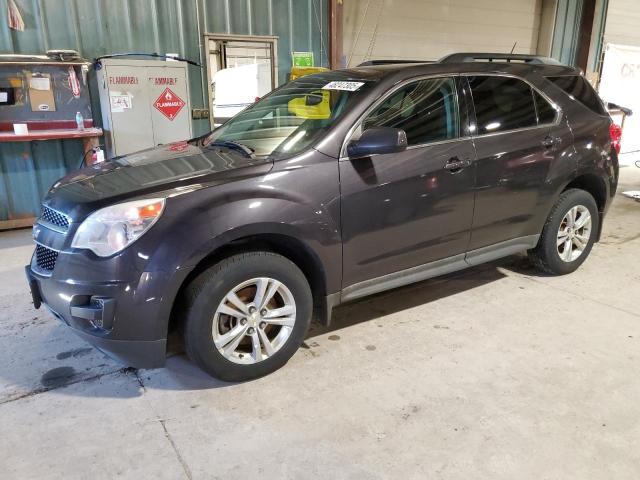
{"type": "Point", "coordinates": [99, 27]}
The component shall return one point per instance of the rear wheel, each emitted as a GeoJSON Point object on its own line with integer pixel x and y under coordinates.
{"type": "Point", "coordinates": [246, 316]}
{"type": "Point", "coordinates": [568, 235]}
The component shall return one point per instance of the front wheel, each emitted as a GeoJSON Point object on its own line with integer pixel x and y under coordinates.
{"type": "Point", "coordinates": [246, 316]}
{"type": "Point", "coordinates": [568, 235]}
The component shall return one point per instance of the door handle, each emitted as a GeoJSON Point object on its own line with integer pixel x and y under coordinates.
{"type": "Point", "coordinates": [550, 142]}
{"type": "Point", "coordinates": [454, 164]}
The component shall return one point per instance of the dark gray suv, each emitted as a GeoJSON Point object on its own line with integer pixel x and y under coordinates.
{"type": "Point", "coordinates": [332, 187]}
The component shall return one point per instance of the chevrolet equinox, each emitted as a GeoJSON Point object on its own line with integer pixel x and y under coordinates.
{"type": "Point", "coordinates": [332, 187]}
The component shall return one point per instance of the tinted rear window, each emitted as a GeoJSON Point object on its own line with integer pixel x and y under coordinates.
{"type": "Point", "coordinates": [502, 103]}
{"type": "Point", "coordinates": [579, 89]}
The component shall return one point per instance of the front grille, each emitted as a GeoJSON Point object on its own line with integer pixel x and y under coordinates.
{"type": "Point", "coordinates": [46, 258]}
{"type": "Point", "coordinates": [55, 218]}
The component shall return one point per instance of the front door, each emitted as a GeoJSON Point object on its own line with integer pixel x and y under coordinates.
{"type": "Point", "coordinates": [407, 209]}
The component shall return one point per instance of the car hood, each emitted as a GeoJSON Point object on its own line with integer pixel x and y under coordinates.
{"type": "Point", "coordinates": [167, 167]}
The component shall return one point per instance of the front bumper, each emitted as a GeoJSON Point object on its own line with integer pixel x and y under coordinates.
{"type": "Point", "coordinates": [132, 353]}
{"type": "Point", "coordinates": [126, 320]}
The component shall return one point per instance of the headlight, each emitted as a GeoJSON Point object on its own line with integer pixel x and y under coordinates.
{"type": "Point", "coordinates": [112, 229]}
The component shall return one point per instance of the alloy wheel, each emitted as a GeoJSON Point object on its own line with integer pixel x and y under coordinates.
{"type": "Point", "coordinates": [574, 233]}
{"type": "Point", "coordinates": [254, 320]}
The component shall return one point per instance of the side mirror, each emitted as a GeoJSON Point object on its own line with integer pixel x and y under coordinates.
{"type": "Point", "coordinates": [378, 141]}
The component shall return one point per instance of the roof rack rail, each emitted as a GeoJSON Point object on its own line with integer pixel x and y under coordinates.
{"type": "Point", "coordinates": [369, 63]}
{"type": "Point", "coordinates": [504, 57]}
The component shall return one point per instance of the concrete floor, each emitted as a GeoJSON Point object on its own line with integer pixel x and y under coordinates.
{"type": "Point", "coordinates": [496, 372]}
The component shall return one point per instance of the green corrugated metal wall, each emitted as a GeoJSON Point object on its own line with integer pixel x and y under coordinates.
{"type": "Point", "coordinates": [566, 35]}
{"type": "Point", "coordinates": [99, 27]}
{"type": "Point", "coordinates": [567, 30]}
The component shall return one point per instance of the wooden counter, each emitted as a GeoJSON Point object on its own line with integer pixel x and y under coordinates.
{"type": "Point", "coordinates": [89, 136]}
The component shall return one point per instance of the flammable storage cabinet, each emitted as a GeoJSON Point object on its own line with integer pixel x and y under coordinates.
{"type": "Point", "coordinates": [144, 103]}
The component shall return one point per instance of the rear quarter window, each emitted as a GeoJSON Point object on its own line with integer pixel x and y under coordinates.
{"type": "Point", "coordinates": [546, 113]}
{"type": "Point", "coordinates": [579, 89]}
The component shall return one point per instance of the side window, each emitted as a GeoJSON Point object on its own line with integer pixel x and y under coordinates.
{"type": "Point", "coordinates": [579, 89]}
{"type": "Point", "coordinates": [502, 103]}
{"type": "Point", "coordinates": [546, 113]}
{"type": "Point", "coordinates": [427, 110]}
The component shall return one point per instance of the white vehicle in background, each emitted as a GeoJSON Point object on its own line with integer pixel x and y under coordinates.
{"type": "Point", "coordinates": [236, 88]}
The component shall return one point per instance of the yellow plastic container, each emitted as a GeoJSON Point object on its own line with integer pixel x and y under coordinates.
{"type": "Point", "coordinates": [297, 72]}
{"type": "Point", "coordinates": [314, 106]}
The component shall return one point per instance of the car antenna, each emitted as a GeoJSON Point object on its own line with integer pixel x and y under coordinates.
{"type": "Point", "coordinates": [514, 47]}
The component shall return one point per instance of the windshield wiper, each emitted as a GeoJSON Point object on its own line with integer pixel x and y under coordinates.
{"type": "Point", "coordinates": [238, 147]}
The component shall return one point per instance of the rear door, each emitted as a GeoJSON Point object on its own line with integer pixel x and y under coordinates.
{"type": "Point", "coordinates": [406, 209]}
{"type": "Point", "coordinates": [515, 146]}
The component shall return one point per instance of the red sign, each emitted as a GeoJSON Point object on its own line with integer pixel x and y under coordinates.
{"type": "Point", "coordinates": [169, 104]}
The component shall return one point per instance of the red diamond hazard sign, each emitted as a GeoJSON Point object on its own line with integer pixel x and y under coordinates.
{"type": "Point", "coordinates": [169, 104]}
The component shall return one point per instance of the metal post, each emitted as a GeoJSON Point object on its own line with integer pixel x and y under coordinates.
{"type": "Point", "coordinates": [335, 33]}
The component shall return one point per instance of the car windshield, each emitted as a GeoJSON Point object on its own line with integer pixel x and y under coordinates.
{"type": "Point", "coordinates": [291, 118]}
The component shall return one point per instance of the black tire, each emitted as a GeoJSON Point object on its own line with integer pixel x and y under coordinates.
{"type": "Point", "coordinates": [545, 255]}
{"type": "Point", "coordinates": [204, 294]}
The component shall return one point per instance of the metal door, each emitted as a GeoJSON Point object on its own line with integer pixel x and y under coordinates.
{"type": "Point", "coordinates": [235, 51]}
{"type": "Point", "coordinates": [126, 107]}
{"type": "Point", "coordinates": [170, 104]}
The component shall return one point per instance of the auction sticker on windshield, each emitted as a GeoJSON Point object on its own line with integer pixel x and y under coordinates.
{"type": "Point", "coordinates": [348, 86]}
